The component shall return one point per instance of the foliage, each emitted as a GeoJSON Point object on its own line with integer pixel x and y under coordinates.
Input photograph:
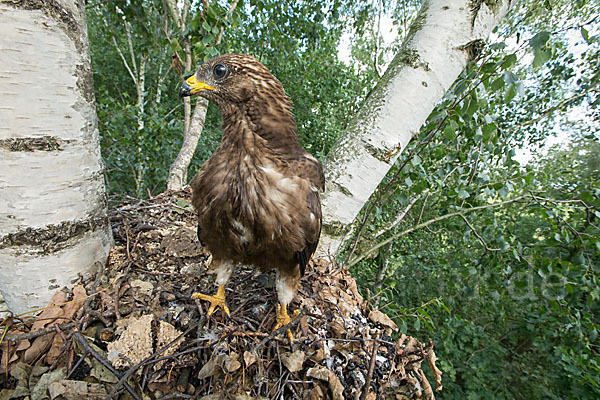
{"type": "Point", "coordinates": [505, 278]}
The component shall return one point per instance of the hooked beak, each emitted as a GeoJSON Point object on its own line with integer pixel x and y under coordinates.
{"type": "Point", "coordinates": [192, 86]}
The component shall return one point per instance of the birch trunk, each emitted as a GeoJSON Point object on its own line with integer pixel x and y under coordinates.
{"type": "Point", "coordinates": [53, 223]}
{"type": "Point", "coordinates": [178, 170]}
{"type": "Point", "coordinates": [431, 58]}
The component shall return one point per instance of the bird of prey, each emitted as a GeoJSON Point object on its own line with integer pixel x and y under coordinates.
{"type": "Point", "coordinates": [257, 196]}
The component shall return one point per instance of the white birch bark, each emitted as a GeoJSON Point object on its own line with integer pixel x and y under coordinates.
{"type": "Point", "coordinates": [178, 170]}
{"type": "Point", "coordinates": [431, 58]}
{"type": "Point", "coordinates": [53, 223]}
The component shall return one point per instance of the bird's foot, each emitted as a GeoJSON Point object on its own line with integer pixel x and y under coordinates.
{"type": "Point", "coordinates": [218, 300]}
{"type": "Point", "coordinates": [283, 319]}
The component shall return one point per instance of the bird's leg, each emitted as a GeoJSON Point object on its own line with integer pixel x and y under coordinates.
{"type": "Point", "coordinates": [287, 285]}
{"type": "Point", "coordinates": [223, 270]}
{"type": "Point", "coordinates": [218, 300]}
{"type": "Point", "coordinates": [283, 319]}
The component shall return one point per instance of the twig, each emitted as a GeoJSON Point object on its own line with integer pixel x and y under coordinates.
{"type": "Point", "coordinates": [363, 396]}
{"type": "Point", "coordinates": [279, 331]}
{"type": "Point", "coordinates": [101, 360]}
{"type": "Point", "coordinates": [131, 370]}
{"type": "Point", "coordinates": [38, 333]}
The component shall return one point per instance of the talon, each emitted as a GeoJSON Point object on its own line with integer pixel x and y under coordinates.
{"type": "Point", "coordinates": [218, 300]}
{"type": "Point", "coordinates": [283, 319]}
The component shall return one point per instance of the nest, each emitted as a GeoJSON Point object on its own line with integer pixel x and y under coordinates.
{"type": "Point", "coordinates": [133, 331]}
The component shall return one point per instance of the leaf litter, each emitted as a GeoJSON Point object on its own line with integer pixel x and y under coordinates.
{"type": "Point", "coordinates": [133, 331]}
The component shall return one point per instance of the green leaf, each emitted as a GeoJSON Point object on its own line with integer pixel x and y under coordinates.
{"type": "Point", "coordinates": [487, 131]}
{"type": "Point", "coordinates": [497, 84]}
{"type": "Point", "coordinates": [212, 13]}
{"type": "Point", "coordinates": [503, 192]}
{"type": "Point", "coordinates": [585, 35]}
{"type": "Point", "coordinates": [449, 133]}
{"type": "Point", "coordinates": [473, 106]}
{"type": "Point", "coordinates": [510, 93]}
{"type": "Point", "coordinates": [509, 61]}
{"type": "Point", "coordinates": [539, 40]}
{"type": "Point", "coordinates": [541, 57]}
{"type": "Point", "coordinates": [416, 160]}
{"type": "Point", "coordinates": [408, 181]}
{"type": "Point", "coordinates": [206, 26]}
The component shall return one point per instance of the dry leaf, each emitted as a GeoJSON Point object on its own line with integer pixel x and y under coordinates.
{"type": "Point", "coordinates": [79, 297]}
{"type": "Point", "coordinates": [318, 372]}
{"type": "Point", "coordinates": [75, 390]}
{"type": "Point", "coordinates": [336, 387]}
{"type": "Point", "coordinates": [40, 390]}
{"type": "Point", "coordinates": [142, 288]}
{"type": "Point", "coordinates": [21, 371]}
{"type": "Point", "coordinates": [47, 317]}
{"type": "Point", "coordinates": [317, 393]}
{"type": "Point", "coordinates": [427, 390]}
{"type": "Point", "coordinates": [231, 363]}
{"type": "Point", "coordinates": [293, 361]}
{"type": "Point", "coordinates": [219, 363]}
{"type": "Point", "coordinates": [432, 358]}
{"type": "Point", "coordinates": [380, 318]}
{"type": "Point", "coordinates": [249, 358]}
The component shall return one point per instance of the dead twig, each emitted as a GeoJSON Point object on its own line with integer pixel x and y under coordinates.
{"type": "Point", "coordinates": [89, 350]}
{"type": "Point", "coordinates": [363, 396]}
{"type": "Point", "coordinates": [40, 332]}
{"type": "Point", "coordinates": [279, 331]}
{"type": "Point", "coordinates": [131, 370]}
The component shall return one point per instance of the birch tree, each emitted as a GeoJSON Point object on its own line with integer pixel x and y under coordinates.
{"type": "Point", "coordinates": [193, 121]}
{"type": "Point", "coordinates": [53, 223]}
{"type": "Point", "coordinates": [436, 50]}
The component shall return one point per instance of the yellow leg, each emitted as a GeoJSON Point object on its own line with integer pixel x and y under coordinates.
{"type": "Point", "coordinates": [218, 300]}
{"type": "Point", "coordinates": [283, 319]}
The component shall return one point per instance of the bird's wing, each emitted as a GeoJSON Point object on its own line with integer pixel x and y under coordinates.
{"type": "Point", "coordinates": [309, 168]}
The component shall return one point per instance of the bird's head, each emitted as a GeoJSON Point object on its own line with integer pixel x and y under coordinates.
{"type": "Point", "coordinates": [232, 79]}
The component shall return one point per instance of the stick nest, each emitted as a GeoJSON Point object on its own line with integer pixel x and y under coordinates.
{"type": "Point", "coordinates": [133, 330]}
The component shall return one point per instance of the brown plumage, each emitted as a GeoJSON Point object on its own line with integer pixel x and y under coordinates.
{"type": "Point", "coordinates": [257, 195]}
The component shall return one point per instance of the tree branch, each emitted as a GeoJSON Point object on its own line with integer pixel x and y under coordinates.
{"type": "Point", "coordinates": [432, 221]}
{"type": "Point", "coordinates": [560, 105]}
{"type": "Point", "coordinates": [402, 215]}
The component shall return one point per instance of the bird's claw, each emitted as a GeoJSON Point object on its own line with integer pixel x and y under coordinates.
{"type": "Point", "coordinates": [283, 319]}
{"type": "Point", "coordinates": [218, 300]}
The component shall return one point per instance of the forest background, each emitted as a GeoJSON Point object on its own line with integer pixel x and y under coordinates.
{"type": "Point", "coordinates": [485, 236]}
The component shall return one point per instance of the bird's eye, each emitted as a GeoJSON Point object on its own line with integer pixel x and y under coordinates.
{"type": "Point", "coordinates": [220, 71]}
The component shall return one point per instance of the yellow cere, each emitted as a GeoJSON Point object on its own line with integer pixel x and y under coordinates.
{"type": "Point", "coordinates": [197, 85]}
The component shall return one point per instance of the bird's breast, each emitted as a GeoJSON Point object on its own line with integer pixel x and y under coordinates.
{"type": "Point", "coordinates": [252, 205]}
